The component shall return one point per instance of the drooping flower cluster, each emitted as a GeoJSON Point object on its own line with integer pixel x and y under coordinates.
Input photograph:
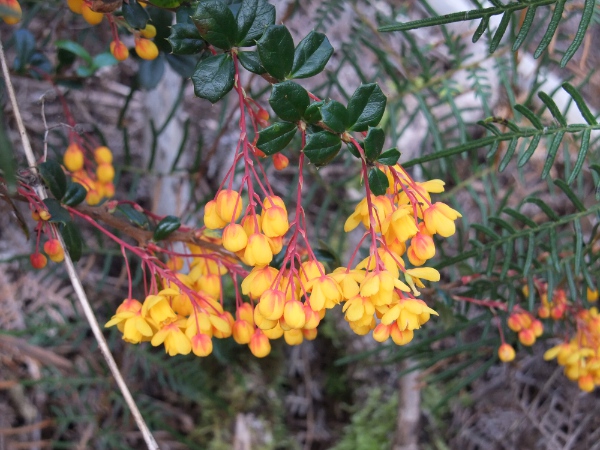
{"type": "Point", "coordinates": [528, 327]}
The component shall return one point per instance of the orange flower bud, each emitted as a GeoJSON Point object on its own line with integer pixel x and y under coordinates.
{"type": "Point", "coordinates": [175, 263]}
{"type": "Point", "coordinates": [506, 352]}
{"type": "Point", "coordinates": [586, 383]}
{"type": "Point", "coordinates": [105, 173]}
{"type": "Point", "coordinates": [73, 158]}
{"type": "Point", "coordinates": [514, 322]}
{"type": "Point", "coordinates": [242, 331]}
{"type": "Point", "coordinates": [294, 315]}
{"type": "Point", "coordinates": [592, 295]}
{"type": "Point", "coordinates": [263, 323]}
{"type": "Point", "coordinates": [15, 8]}
{"type": "Point", "coordinates": [537, 327]}
{"type": "Point", "coordinates": [201, 345]}
{"type": "Point", "coordinates": [103, 155]}
{"type": "Point", "coordinates": [312, 318]}
{"type": "Point", "coordinates": [119, 50]}
{"type": "Point", "coordinates": [234, 237]}
{"type": "Point", "coordinates": [400, 337]}
{"type": "Point", "coordinates": [259, 344]}
{"type": "Point", "coordinates": [212, 220]}
{"type": "Point", "coordinates": [263, 115]}
{"type": "Point", "coordinates": [293, 337]}
{"type": "Point", "coordinates": [75, 5]}
{"type": "Point", "coordinates": [93, 197]}
{"type": "Point", "coordinates": [54, 250]}
{"type": "Point", "coordinates": [90, 16]}
{"type": "Point", "coordinates": [280, 161]}
{"type": "Point", "coordinates": [252, 224]}
{"type": "Point", "coordinates": [381, 333]}
{"type": "Point", "coordinates": [38, 261]}
{"type": "Point", "coordinates": [229, 205]}
{"type": "Point", "coordinates": [310, 335]}
{"type": "Point", "coordinates": [543, 312]}
{"type": "Point", "coordinates": [146, 49]}
{"type": "Point", "coordinates": [44, 215]}
{"type": "Point", "coordinates": [149, 32]}
{"type": "Point", "coordinates": [245, 312]}
{"type": "Point", "coordinates": [271, 304]}
{"type": "Point", "coordinates": [527, 337]}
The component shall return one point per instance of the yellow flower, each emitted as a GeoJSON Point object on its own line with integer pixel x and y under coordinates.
{"type": "Point", "coordinates": [130, 322]}
{"type": "Point", "coordinates": [258, 281]}
{"type": "Point", "coordinates": [234, 237]}
{"type": "Point", "coordinates": [258, 251]}
{"type": "Point", "coordinates": [242, 331]}
{"type": "Point", "coordinates": [325, 292]}
{"type": "Point", "coordinates": [271, 304]}
{"type": "Point", "coordinates": [201, 344]}
{"type": "Point", "coordinates": [439, 218]}
{"type": "Point", "coordinates": [259, 344]}
{"type": "Point", "coordinates": [229, 205]}
{"type": "Point", "coordinates": [175, 340]}
{"type": "Point", "coordinates": [293, 314]}
{"type": "Point", "coordinates": [212, 220]}
{"type": "Point", "coordinates": [506, 352]}
{"type": "Point", "coordinates": [158, 308]}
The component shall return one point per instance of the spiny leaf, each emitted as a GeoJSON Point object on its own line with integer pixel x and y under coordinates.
{"type": "Point", "coordinates": [389, 157]}
{"type": "Point", "coordinates": [335, 116]}
{"type": "Point", "coordinates": [251, 62]}
{"type": "Point", "coordinates": [322, 147]}
{"type": "Point", "coordinates": [373, 143]}
{"type": "Point", "coordinates": [216, 23]}
{"type": "Point", "coordinates": [366, 107]}
{"type": "Point", "coordinates": [311, 55]}
{"type": "Point", "coordinates": [214, 77]}
{"type": "Point", "coordinates": [289, 100]}
{"type": "Point", "coordinates": [378, 181]}
{"type": "Point", "coordinates": [73, 240]}
{"type": "Point", "coordinates": [276, 51]}
{"type": "Point", "coordinates": [264, 17]}
{"type": "Point", "coordinates": [185, 39]}
{"type": "Point", "coordinates": [54, 177]}
{"type": "Point", "coordinates": [276, 137]}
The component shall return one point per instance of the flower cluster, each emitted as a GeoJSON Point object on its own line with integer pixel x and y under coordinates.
{"type": "Point", "coordinates": [98, 182]}
{"type": "Point", "coordinates": [144, 47]}
{"type": "Point", "coordinates": [528, 327]}
{"type": "Point", "coordinates": [580, 356]}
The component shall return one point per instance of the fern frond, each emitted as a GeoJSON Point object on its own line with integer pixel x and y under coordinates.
{"type": "Point", "coordinates": [507, 10]}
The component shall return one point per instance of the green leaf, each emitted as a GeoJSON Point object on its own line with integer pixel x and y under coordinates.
{"type": "Point", "coordinates": [105, 59]}
{"type": "Point", "coordinates": [322, 147]}
{"type": "Point", "coordinates": [76, 49]}
{"type": "Point", "coordinates": [366, 107]}
{"type": "Point", "coordinates": [483, 24]}
{"type": "Point", "coordinates": [135, 15]}
{"type": "Point", "coordinates": [276, 51]}
{"type": "Point", "coordinates": [378, 181]}
{"type": "Point", "coordinates": [264, 16]}
{"type": "Point", "coordinates": [276, 137]}
{"type": "Point", "coordinates": [569, 193]}
{"type": "Point", "coordinates": [185, 39]}
{"type": "Point", "coordinates": [553, 108]}
{"type": "Point", "coordinates": [54, 177]}
{"type": "Point", "coordinates": [373, 144]}
{"type": "Point", "coordinates": [73, 240]}
{"type": "Point", "coordinates": [214, 77]}
{"type": "Point", "coordinates": [150, 72]}
{"type": "Point", "coordinates": [552, 151]}
{"type": "Point", "coordinates": [585, 145]}
{"type": "Point", "coordinates": [75, 194]}
{"type": "Point", "coordinates": [500, 31]}
{"type": "Point", "coordinates": [311, 55]}
{"type": "Point", "coordinates": [586, 17]}
{"type": "Point", "coordinates": [527, 22]}
{"type": "Point", "coordinates": [389, 157]}
{"type": "Point", "coordinates": [134, 216]}
{"type": "Point", "coordinates": [530, 115]}
{"type": "Point", "coordinates": [216, 23]}
{"type": "Point", "coordinates": [580, 102]}
{"type": "Point", "coordinates": [245, 18]}
{"type": "Point", "coordinates": [334, 115]}
{"type": "Point", "coordinates": [289, 100]}
{"type": "Point", "coordinates": [251, 62]}
{"type": "Point", "coordinates": [549, 34]}
{"type": "Point", "coordinates": [184, 65]}
{"type": "Point", "coordinates": [526, 156]}
{"type": "Point", "coordinates": [313, 112]}
{"type": "Point", "coordinates": [166, 227]}
{"type": "Point", "coordinates": [58, 214]}
{"type": "Point", "coordinates": [509, 154]}
{"type": "Point", "coordinates": [353, 149]}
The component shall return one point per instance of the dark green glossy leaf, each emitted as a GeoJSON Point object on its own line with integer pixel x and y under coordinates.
{"type": "Point", "coordinates": [216, 23]}
{"type": "Point", "coordinates": [135, 15]}
{"type": "Point", "coordinates": [214, 77]}
{"type": "Point", "coordinates": [366, 107]}
{"type": "Point", "coordinates": [353, 150]}
{"type": "Point", "coordinates": [378, 181]}
{"type": "Point", "coordinates": [73, 240]}
{"type": "Point", "coordinates": [322, 147]}
{"type": "Point", "coordinates": [151, 72]}
{"type": "Point", "coordinates": [276, 51]}
{"type": "Point", "coordinates": [251, 62]}
{"type": "Point", "coordinates": [25, 48]}
{"type": "Point", "coordinates": [75, 194]}
{"type": "Point", "coordinates": [335, 116]}
{"type": "Point", "coordinates": [184, 14]}
{"type": "Point", "coordinates": [166, 227]}
{"type": "Point", "coordinates": [313, 112]}
{"type": "Point", "coordinates": [58, 214]}
{"type": "Point", "coordinates": [185, 39]}
{"type": "Point", "coordinates": [389, 157]}
{"type": "Point", "coordinates": [373, 144]}
{"type": "Point", "coordinates": [136, 217]}
{"type": "Point", "coordinates": [54, 177]}
{"type": "Point", "coordinates": [263, 17]}
{"type": "Point", "coordinates": [76, 49]}
{"type": "Point", "coordinates": [275, 138]}
{"type": "Point", "coordinates": [289, 100]}
{"type": "Point", "coordinates": [184, 65]}
{"type": "Point", "coordinates": [311, 55]}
